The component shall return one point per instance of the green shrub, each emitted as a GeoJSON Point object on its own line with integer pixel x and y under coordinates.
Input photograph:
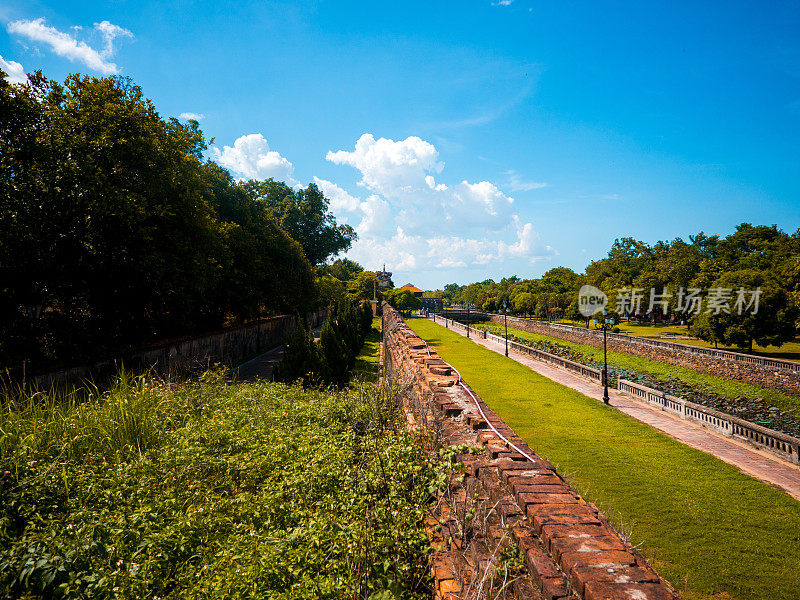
{"type": "Point", "coordinates": [213, 491]}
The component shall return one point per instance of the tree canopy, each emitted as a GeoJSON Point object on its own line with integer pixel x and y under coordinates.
{"type": "Point", "coordinates": [753, 257]}
{"type": "Point", "coordinates": [114, 231]}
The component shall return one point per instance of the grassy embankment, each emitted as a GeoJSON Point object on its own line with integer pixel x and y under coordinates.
{"type": "Point", "coordinates": [788, 351]}
{"type": "Point", "coordinates": [724, 387]}
{"type": "Point", "coordinates": [366, 368]}
{"type": "Point", "coordinates": [211, 490]}
{"type": "Point", "coordinates": [707, 527]}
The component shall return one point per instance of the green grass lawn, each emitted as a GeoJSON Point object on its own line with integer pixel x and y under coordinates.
{"type": "Point", "coordinates": [366, 368]}
{"type": "Point", "coordinates": [708, 528]}
{"type": "Point", "coordinates": [724, 387]}
{"type": "Point", "coordinates": [789, 351]}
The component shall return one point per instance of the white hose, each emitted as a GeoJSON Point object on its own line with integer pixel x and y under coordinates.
{"type": "Point", "coordinates": [478, 405]}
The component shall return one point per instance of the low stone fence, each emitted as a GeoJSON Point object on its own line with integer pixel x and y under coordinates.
{"type": "Point", "coordinates": [781, 444]}
{"type": "Point", "coordinates": [502, 499]}
{"type": "Point", "coordinates": [785, 446]}
{"type": "Point", "coordinates": [563, 363]}
{"type": "Point", "coordinates": [185, 355]}
{"type": "Point", "coordinates": [766, 372]}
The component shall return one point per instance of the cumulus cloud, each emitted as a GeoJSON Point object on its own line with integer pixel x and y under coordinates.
{"type": "Point", "coordinates": [340, 200]}
{"type": "Point", "coordinates": [412, 221]}
{"type": "Point", "coordinates": [14, 71]}
{"type": "Point", "coordinates": [403, 172]}
{"type": "Point", "coordinates": [251, 158]}
{"type": "Point", "coordinates": [377, 217]}
{"type": "Point", "coordinates": [69, 47]}
{"type": "Point", "coordinates": [185, 116]}
{"type": "Point", "coordinates": [390, 167]}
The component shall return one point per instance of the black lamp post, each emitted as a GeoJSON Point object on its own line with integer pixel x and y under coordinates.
{"type": "Point", "coordinates": [606, 322]}
{"type": "Point", "coordinates": [505, 322]}
{"type": "Point", "coordinates": [467, 320]}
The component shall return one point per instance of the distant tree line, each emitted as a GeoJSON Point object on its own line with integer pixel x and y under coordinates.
{"type": "Point", "coordinates": [752, 257]}
{"type": "Point", "coordinates": [114, 231]}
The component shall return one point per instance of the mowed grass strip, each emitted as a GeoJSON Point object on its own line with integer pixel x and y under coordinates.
{"type": "Point", "coordinates": [708, 528]}
{"type": "Point", "coordinates": [366, 367]}
{"type": "Point", "coordinates": [727, 388]}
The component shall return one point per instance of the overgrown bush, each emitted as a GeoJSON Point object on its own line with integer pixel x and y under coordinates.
{"type": "Point", "coordinates": [208, 490]}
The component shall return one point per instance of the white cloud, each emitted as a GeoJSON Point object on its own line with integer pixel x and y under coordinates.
{"type": "Point", "coordinates": [340, 200]}
{"type": "Point", "coordinates": [109, 32]}
{"type": "Point", "coordinates": [69, 47]}
{"type": "Point", "coordinates": [14, 71]}
{"type": "Point", "coordinates": [503, 3]}
{"type": "Point", "coordinates": [251, 158]}
{"type": "Point", "coordinates": [377, 217]}
{"type": "Point", "coordinates": [185, 116]}
{"type": "Point", "coordinates": [411, 222]}
{"type": "Point", "coordinates": [390, 167]}
{"type": "Point", "coordinates": [517, 184]}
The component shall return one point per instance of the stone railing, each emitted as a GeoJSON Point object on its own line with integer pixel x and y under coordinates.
{"type": "Point", "coordinates": [785, 446]}
{"type": "Point", "coordinates": [781, 444]}
{"type": "Point", "coordinates": [569, 365]}
{"type": "Point", "coordinates": [563, 363]}
{"type": "Point", "coordinates": [774, 363]}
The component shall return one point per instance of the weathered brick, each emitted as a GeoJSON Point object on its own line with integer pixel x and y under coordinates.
{"type": "Point", "coordinates": [449, 586]}
{"type": "Point", "coordinates": [543, 498]}
{"type": "Point", "coordinates": [607, 559]}
{"type": "Point", "coordinates": [575, 530]}
{"type": "Point", "coordinates": [599, 590]}
{"type": "Point", "coordinates": [554, 588]}
{"type": "Point", "coordinates": [581, 575]}
{"type": "Point", "coordinates": [565, 545]}
{"type": "Point", "coordinates": [580, 512]}
{"type": "Point", "coordinates": [514, 478]}
{"type": "Point", "coordinates": [540, 565]}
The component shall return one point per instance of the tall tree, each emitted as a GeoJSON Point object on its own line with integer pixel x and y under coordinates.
{"type": "Point", "coordinates": [304, 215]}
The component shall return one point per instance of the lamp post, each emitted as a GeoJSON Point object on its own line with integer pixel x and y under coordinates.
{"type": "Point", "coordinates": [606, 322]}
{"type": "Point", "coordinates": [467, 320]}
{"type": "Point", "coordinates": [505, 322]}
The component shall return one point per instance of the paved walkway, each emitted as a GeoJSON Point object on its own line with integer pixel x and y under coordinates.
{"type": "Point", "coordinates": [261, 366]}
{"type": "Point", "coordinates": [756, 463]}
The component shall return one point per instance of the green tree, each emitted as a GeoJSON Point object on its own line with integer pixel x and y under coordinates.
{"type": "Point", "coordinates": [343, 269]}
{"type": "Point", "coordinates": [772, 324]}
{"type": "Point", "coordinates": [304, 215]}
{"type": "Point", "coordinates": [402, 299]}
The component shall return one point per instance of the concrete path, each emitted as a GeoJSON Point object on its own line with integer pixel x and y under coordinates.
{"type": "Point", "coordinates": [753, 461]}
{"type": "Point", "coordinates": [261, 366]}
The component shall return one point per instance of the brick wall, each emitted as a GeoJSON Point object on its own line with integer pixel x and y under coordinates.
{"type": "Point", "coordinates": [506, 526]}
{"type": "Point", "coordinates": [787, 381]}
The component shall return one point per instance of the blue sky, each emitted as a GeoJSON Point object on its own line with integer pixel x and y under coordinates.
{"type": "Point", "coordinates": [471, 139]}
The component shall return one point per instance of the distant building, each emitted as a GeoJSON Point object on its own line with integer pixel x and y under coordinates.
{"type": "Point", "coordinates": [414, 290]}
{"type": "Point", "coordinates": [428, 302]}
{"type": "Point", "coordinates": [384, 279]}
